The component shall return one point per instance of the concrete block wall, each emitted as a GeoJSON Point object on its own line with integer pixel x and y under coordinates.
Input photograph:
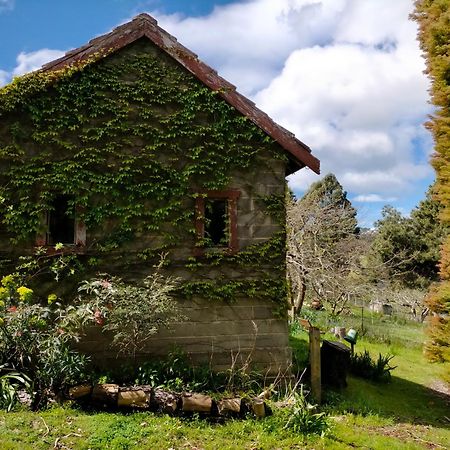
{"type": "Point", "coordinates": [244, 334]}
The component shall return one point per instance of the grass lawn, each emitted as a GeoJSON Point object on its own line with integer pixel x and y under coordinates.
{"type": "Point", "coordinates": [404, 414]}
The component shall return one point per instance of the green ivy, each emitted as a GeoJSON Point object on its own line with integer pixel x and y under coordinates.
{"type": "Point", "coordinates": [131, 137]}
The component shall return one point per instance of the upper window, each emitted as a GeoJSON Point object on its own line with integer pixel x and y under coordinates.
{"type": "Point", "coordinates": [216, 221]}
{"type": "Point", "coordinates": [61, 225]}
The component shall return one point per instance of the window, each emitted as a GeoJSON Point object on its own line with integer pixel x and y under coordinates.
{"type": "Point", "coordinates": [216, 232]}
{"type": "Point", "coordinates": [216, 221]}
{"type": "Point", "coordinates": [61, 226]}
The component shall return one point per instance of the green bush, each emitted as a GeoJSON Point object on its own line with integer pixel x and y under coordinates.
{"type": "Point", "coordinates": [35, 340]}
{"type": "Point", "coordinates": [133, 314]}
{"type": "Point", "coordinates": [362, 365]}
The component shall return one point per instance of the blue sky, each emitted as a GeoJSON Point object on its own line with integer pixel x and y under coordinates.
{"type": "Point", "coordinates": [344, 75]}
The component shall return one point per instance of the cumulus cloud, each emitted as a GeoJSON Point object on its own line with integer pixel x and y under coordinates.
{"type": "Point", "coordinates": [249, 41]}
{"type": "Point", "coordinates": [359, 101]}
{"type": "Point", "coordinates": [346, 76]}
{"type": "Point", "coordinates": [27, 62]}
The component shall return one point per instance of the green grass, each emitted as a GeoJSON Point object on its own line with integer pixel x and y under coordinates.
{"type": "Point", "coordinates": [403, 414]}
{"type": "Point", "coordinates": [75, 429]}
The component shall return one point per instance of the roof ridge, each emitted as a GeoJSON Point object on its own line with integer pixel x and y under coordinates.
{"type": "Point", "coordinates": [144, 25]}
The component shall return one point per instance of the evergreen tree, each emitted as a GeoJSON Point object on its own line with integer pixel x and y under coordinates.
{"type": "Point", "coordinates": [433, 17]}
{"type": "Point", "coordinates": [329, 193]}
{"type": "Point", "coordinates": [409, 246]}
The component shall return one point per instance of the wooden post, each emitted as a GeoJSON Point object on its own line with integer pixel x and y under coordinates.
{"type": "Point", "coordinates": [314, 360]}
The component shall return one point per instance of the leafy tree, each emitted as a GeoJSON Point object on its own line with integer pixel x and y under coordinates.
{"type": "Point", "coordinates": [409, 247]}
{"type": "Point", "coordinates": [433, 17]}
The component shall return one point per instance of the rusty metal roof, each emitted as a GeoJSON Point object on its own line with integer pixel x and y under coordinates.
{"type": "Point", "coordinates": [144, 25]}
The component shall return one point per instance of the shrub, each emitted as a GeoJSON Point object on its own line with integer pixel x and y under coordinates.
{"type": "Point", "coordinates": [303, 418]}
{"type": "Point", "coordinates": [132, 313]}
{"type": "Point", "coordinates": [362, 365]}
{"type": "Point", "coordinates": [35, 339]}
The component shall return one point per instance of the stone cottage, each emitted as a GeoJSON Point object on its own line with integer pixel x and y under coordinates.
{"type": "Point", "coordinates": [129, 147]}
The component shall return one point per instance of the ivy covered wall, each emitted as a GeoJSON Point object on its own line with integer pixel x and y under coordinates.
{"type": "Point", "coordinates": [133, 138]}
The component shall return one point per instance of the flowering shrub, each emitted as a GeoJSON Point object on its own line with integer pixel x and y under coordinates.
{"type": "Point", "coordinates": [132, 313]}
{"type": "Point", "coordinates": [35, 339]}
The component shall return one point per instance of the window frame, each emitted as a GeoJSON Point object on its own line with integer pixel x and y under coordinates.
{"type": "Point", "coordinates": [79, 233]}
{"type": "Point", "coordinates": [232, 196]}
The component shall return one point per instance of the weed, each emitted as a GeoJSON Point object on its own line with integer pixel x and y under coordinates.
{"type": "Point", "coordinates": [303, 418]}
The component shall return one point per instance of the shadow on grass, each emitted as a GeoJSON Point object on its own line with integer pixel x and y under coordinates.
{"type": "Point", "coordinates": [403, 400]}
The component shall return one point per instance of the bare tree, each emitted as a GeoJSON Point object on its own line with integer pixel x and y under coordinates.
{"type": "Point", "coordinates": [325, 254]}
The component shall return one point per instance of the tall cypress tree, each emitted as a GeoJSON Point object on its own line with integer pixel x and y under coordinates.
{"type": "Point", "coordinates": [433, 17]}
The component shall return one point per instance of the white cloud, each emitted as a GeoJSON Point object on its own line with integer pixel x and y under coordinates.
{"type": "Point", "coordinates": [4, 77]}
{"type": "Point", "coordinates": [249, 41]}
{"type": "Point", "coordinates": [359, 102]}
{"type": "Point", "coordinates": [27, 62]}
{"type": "Point", "coordinates": [6, 5]}
{"type": "Point", "coordinates": [373, 198]}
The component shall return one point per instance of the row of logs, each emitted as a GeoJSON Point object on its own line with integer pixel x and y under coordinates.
{"type": "Point", "coordinates": [144, 397]}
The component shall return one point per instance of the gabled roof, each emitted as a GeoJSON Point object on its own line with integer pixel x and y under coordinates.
{"type": "Point", "coordinates": [144, 25]}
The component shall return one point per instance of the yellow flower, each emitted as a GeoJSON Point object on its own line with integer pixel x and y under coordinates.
{"type": "Point", "coordinates": [52, 298]}
{"type": "Point", "coordinates": [25, 293]}
{"type": "Point", "coordinates": [3, 293]}
{"type": "Point", "coordinates": [8, 280]}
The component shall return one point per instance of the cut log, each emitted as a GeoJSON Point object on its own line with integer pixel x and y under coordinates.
{"type": "Point", "coordinates": [265, 395]}
{"type": "Point", "coordinates": [229, 406]}
{"type": "Point", "coordinates": [134, 397]}
{"type": "Point", "coordinates": [258, 407]}
{"type": "Point", "coordinates": [105, 394]}
{"type": "Point", "coordinates": [80, 391]}
{"type": "Point", "coordinates": [196, 403]}
{"type": "Point", "coordinates": [163, 401]}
